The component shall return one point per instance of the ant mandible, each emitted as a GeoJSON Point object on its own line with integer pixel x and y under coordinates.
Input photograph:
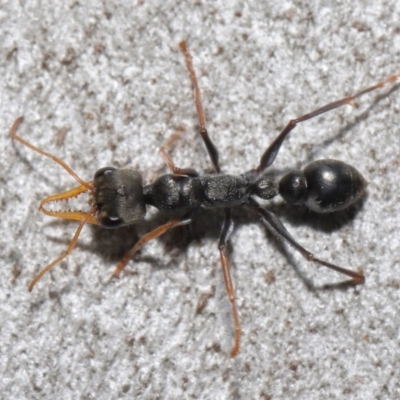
{"type": "Point", "coordinates": [118, 197]}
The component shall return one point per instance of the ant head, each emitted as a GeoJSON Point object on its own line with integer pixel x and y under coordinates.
{"type": "Point", "coordinates": [118, 197]}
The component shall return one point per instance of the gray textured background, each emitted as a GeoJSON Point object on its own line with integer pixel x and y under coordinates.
{"type": "Point", "coordinates": [80, 334]}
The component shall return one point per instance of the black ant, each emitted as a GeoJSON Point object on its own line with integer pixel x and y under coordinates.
{"type": "Point", "coordinates": [118, 197]}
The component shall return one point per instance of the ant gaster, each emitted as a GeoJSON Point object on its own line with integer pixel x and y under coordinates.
{"type": "Point", "coordinates": [118, 197]}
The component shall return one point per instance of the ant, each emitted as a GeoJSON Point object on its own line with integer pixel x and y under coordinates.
{"type": "Point", "coordinates": [118, 197]}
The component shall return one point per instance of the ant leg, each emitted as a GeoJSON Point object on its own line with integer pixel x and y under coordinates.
{"type": "Point", "coordinates": [13, 133]}
{"type": "Point", "coordinates": [270, 154]}
{"type": "Point", "coordinates": [88, 217]}
{"type": "Point", "coordinates": [274, 225]}
{"type": "Point", "coordinates": [168, 159]}
{"type": "Point", "coordinates": [226, 231]}
{"type": "Point", "coordinates": [71, 246]}
{"type": "Point", "coordinates": [84, 186]}
{"type": "Point", "coordinates": [212, 150]}
{"type": "Point", "coordinates": [155, 233]}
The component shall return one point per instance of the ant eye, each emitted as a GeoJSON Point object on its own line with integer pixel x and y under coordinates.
{"type": "Point", "coordinates": [110, 221]}
{"type": "Point", "coordinates": [103, 171]}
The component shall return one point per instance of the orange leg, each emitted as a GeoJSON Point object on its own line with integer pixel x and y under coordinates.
{"type": "Point", "coordinates": [231, 295]}
{"type": "Point", "coordinates": [83, 217]}
{"type": "Point", "coordinates": [270, 154]}
{"type": "Point", "coordinates": [84, 186]}
{"type": "Point", "coordinates": [212, 150]}
{"type": "Point", "coordinates": [274, 225]}
{"type": "Point", "coordinates": [168, 159]}
{"type": "Point", "coordinates": [13, 133]}
{"type": "Point", "coordinates": [146, 238]}
{"type": "Point", "coordinates": [226, 230]}
{"type": "Point", "coordinates": [65, 254]}
{"type": "Point", "coordinates": [227, 226]}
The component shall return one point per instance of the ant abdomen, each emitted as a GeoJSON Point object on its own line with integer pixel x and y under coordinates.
{"type": "Point", "coordinates": [323, 186]}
